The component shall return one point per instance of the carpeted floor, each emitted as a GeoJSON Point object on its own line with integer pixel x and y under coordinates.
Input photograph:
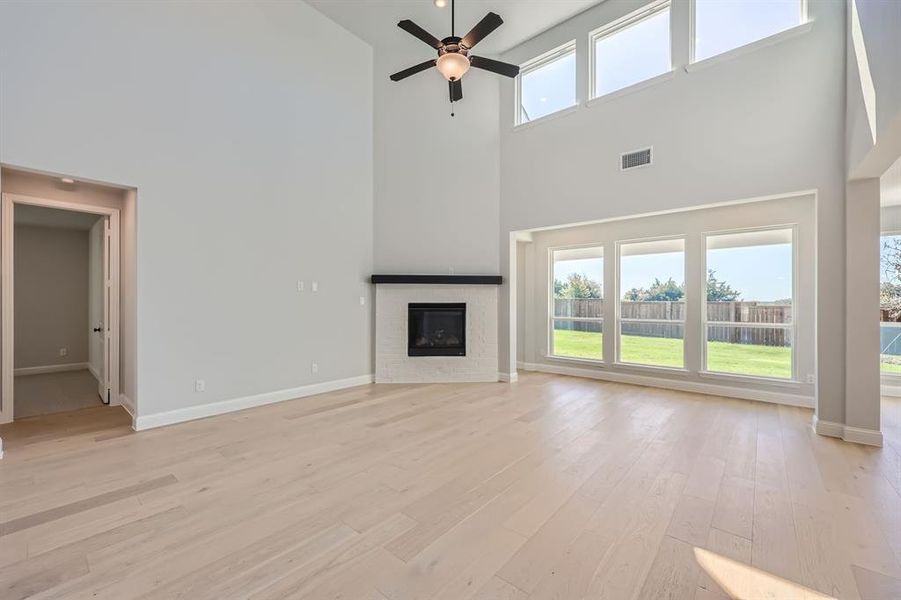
{"type": "Point", "coordinates": [55, 392]}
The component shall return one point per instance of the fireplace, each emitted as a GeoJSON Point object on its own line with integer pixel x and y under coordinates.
{"type": "Point", "coordinates": [436, 329]}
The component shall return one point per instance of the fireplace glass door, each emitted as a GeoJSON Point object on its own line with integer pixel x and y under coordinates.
{"type": "Point", "coordinates": [436, 329]}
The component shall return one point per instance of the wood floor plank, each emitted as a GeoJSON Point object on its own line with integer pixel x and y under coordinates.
{"type": "Point", "coordinates": [674, 573]}
{"type": "Point", "coordinates": [45, 516]}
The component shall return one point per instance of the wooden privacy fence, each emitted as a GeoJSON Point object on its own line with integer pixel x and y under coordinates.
{"type": "Point", "coordinates": [727, 312]}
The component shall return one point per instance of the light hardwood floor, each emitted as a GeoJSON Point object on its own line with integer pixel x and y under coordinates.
{"type": "Point", "coordinates": [553, 487]}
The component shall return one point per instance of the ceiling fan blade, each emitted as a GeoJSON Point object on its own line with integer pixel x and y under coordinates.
{"type": "Point", "coordinates": [456, 90]}
{"type": "Point", "coordinates": [417, 31]}
{"type": "Point", "coordinates": [489, 23]}
{"type": "Point", "coordinates": [495, 66]}
{"type": "Point", "coordinates": [413, 70]}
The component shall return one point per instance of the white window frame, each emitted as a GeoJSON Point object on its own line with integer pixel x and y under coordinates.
{"type": "Point", "coordinates": [692, 33]}
{"type": "Point", "coordinates": [792, 327]}
{"type": "Point", "coordinates": [550, 304]}
{"type": "Point", "coordinates": [618, 318]}
{"type": "Point", "coordinates": [536, 63]}
{"type": "Point", "coordinates": [887, 377]}
{"type": "Point", "coordinates": [617, 26]}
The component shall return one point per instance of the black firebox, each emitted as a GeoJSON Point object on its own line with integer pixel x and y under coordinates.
{"type": "Point", "coordinates": [436, 329]}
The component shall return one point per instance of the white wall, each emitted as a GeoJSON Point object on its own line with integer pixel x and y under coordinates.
{"type": "Point", "coordinates": [246, 129]}
{"type": "Point", "coordinates": [799, 212]}
{"type": "Point", "coordinates": [51, 296]}
{"type": "Point", "coordinates": [874, 86]}
{"type": "Point", "coordinates": [764, 122]}
{"type": "Point", "coordinates": [436, 177]}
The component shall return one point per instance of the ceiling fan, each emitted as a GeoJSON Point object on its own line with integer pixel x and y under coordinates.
{"type": "Point", "coordinates": [454, 59]}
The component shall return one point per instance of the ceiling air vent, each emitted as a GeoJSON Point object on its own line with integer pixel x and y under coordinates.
{"type": "Point", "coordinates": [632, 160]}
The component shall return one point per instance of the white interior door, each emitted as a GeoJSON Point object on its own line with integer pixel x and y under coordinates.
{"type": "Point", "coordinates": [106, 329]}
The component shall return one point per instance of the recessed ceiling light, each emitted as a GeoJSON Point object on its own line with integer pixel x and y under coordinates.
{"type": "Point", "coordinates": [67, 180]}
{"type": "Point", "coordinates": [440, 3]}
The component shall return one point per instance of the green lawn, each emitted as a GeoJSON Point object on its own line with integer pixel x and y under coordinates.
{"type": "Point", "coordinates": [887, 365]}
{"type": "Point", "coordinates": [723, 357]}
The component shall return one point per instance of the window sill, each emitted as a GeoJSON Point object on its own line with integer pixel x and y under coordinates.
{"type": "Point", "coordinates": [548, 117]}
{"type": "Point", "coordinates": [631, 89]}
{"type": "Point", "coordinates": [588, 362]}
{"type": "Point", "coordinates": [652, 368]}
{"type": "Point", "coordinates": [772, 381]}
{"type": "Point", "coordinates": [716, 59]}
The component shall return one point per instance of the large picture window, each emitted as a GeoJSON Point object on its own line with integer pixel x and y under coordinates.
{"type": "Point", "coordinates": [547, 84]}
{"type": "Point", "coordinates": [631, 50]}
{"type": "Point", "coordinates": [722, 25]}
{"type": "Point", "coordinates": [652, 303]}
{"type": "Point", "coordinates": [890, 305]}
{"type": "Point", "coordinates": [577, 322]}
{"type": "Point", "coordinates": [750, 303]}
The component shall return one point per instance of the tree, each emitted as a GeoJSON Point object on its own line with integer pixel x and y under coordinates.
{"type": "Point", "coordinates": [890, 288]}
{"type": "Point", "coordinates": [559, 288]}
{"type": "Point", "coordinates": [665, 291]}
{"type": "Point", "coordinates": [720, 291]}
{"type": "Point", "coordinates": [660, 291]}
{"type": "Point", "coordinates": [578, 285]}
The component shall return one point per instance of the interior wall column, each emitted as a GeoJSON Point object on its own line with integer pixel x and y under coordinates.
{"type": "Point", "coordinates": [862, 387]}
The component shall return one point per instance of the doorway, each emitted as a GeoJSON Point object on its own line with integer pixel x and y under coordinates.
{"type": "Point", "coordinates": [60, 306]}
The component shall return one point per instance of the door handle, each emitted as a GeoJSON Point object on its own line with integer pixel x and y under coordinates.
{"type": "Point", "coordinates": [98, 329]}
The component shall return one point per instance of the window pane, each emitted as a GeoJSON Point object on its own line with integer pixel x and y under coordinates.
{"type": "Point", "coordinates": [578, 339]}
{"type": "Point", "coordinates": [548, 88]}
{"type": "Point", "coordinates": [750, 280]}
{"type": "Point", "coordinates": [578, 282]}
{"type": "Point", "coordinates": [749, 277]}
{"type": "Point", "coordinates": [722, 25]}
{"type": "Point", "coordinates": [578, 279]}
{"type": "Point", "coordinates": [657, 344]}
{"type": "Point", "coordinates": [761, 352]}
{"type": "Point", "coordinates": [890, 305]}
{"type": "Point", "coordinates": [652, 280]}
{"type": "Point", "coordinates": [633, 54]}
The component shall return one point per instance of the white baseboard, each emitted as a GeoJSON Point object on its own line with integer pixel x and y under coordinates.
{"type": "Point", "coordinates": [858, 435]}
{"type": "Point", "coordinates": [128, 404]}
{"type": "Point", "coordinates": [696, 387]}
{"type": "Point", "coordinates": [191, 413]}
{"type": "Point", "coordinates": [50, 369]}
{"type": "Point", "coordinates": [507, 377]}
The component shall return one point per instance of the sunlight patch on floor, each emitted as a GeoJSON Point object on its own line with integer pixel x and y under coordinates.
{"type": "Point", "coordinates": [744, 582]}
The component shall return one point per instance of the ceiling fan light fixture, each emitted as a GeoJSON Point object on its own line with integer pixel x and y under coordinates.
{"type": "Point", "coordinates": [452, 65]}
{"type": "Point", "coordinates": [441, 3]}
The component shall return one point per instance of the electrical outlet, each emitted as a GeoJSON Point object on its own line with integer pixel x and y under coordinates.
{"type": "Point", "coordinates": [63, 351]}
{"type": "Point", "coordinates": [314, 286]}
{"type": "Point", "coordinates": [811, 378]}
{"type": "Point", "coordinates": [314, 368]}
{"type": "Point", "coordinates": [200, 385]}
{"type": "Point", "coordinates": [300, 286]}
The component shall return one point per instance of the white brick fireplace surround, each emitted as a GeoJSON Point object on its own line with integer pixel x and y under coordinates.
{"type": "Point", "coordinates": [392, 365]}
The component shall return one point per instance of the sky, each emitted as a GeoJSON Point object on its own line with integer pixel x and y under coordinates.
{"type": "Point", "coordinates": [762, 273]}
{"type": "Point", "coordinates": [643, 50]}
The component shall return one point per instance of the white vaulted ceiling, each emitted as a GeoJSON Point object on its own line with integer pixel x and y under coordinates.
{"type": "Point", "coordinates": [375, 21]}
